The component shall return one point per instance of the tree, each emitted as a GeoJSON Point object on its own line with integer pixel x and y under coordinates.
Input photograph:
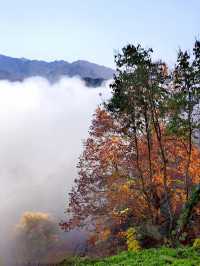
{"type": "Point", "coordinates": [185, 102]}
{"type": "Point", "coordinates": [139, 98]}
{"type": "Point", "coordinates": [35, 234]}
{"type": "Point", "coordinates": [108, 197]}
{"type": "Point", "coordinates": [101, 191]}
{"type": "Point", "coordinates": [185, 216]}
{"type": "Point", "coordinates": [135, 164]}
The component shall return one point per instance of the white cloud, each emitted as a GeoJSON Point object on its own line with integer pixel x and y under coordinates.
{"type": "Point", "coordinates": [42, 126]}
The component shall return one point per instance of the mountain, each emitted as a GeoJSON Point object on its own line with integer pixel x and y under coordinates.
{"type": "Point", "coordinates": [17, 69]}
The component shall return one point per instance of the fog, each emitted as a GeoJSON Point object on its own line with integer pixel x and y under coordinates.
{"type": "Point", "coordinates": [42, 126]}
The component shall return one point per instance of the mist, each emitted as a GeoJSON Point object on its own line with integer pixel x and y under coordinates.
{"type": "Point", "coordinates": [42, 126]}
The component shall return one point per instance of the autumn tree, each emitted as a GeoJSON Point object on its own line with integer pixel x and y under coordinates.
{"type": "Point", "coordinates": [101, 192]}
{"type": "Point", "coordinates": [139, 98]}
{"type": "Point", "coordinates": [138, 166]}
{"type": "Point", "coordinates": [35, 234]}
{"type": "Point", "coordinates": [184, 103]}
{"type": "Point", "coordinates": [143, 93]}
{"type": "Point", "coordinates": [108, 197]}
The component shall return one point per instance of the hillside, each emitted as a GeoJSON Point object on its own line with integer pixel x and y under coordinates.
{"type": "Point", "coordinates": [17, 69]}
{"type": "Point", "coordinates": [149, 257]}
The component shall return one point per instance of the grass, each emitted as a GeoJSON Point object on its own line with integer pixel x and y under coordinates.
{"type": "Point", "coordinates": [148, 257]}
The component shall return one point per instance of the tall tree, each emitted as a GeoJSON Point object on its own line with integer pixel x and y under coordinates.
{"type": "Point", "coordinates": [108, 196]}
{"type": "Point", "coordinates": [132, 171]}
{"type": "Point", "coordinates": [185, 103]}
{"type": "Point", "coordinates": [102, 190]}
{"type": "Point", "coordinates": [139, 98]}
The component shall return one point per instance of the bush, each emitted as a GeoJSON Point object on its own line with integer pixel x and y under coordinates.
{"type": "Point", "coordinates": [196, 243]}
{"type": "Point", "coordinates": [132, 243]}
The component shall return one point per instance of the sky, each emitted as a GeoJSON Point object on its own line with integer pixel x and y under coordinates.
{"type": "Point", "coordinates": [95, 30]}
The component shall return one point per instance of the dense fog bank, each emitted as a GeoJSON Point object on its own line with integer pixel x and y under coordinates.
{"type": "Point", "coordinates": [42, 126]}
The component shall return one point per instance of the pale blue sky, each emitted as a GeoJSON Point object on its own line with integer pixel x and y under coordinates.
{"type": "Point", "coordinates": [94, 29]}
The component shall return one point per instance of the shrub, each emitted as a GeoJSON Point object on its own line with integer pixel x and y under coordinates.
{"type": "Point", "coordinates": [196, 243]}
{"type": "Point", "coordinates": [132, 243]}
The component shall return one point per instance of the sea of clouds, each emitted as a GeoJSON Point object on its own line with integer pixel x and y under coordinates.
{"type": "Point", "coordinates": [42, 126]}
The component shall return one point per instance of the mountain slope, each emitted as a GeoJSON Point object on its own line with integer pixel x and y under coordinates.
{"type": "Point", "coordinates": [17, 69]}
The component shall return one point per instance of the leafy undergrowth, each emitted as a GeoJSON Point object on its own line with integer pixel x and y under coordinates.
{"type": "Point", "coordinates": [149, 257]}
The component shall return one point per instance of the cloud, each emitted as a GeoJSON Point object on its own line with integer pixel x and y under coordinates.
{"type": "Point", "coordinates": [42, 126]}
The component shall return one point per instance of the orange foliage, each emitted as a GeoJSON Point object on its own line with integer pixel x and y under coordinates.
{"type": "Point", "coordinates": [110, 194]}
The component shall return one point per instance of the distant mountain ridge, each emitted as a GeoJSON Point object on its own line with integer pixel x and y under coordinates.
{"type": "Point", "coordinates": [17, 69]}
